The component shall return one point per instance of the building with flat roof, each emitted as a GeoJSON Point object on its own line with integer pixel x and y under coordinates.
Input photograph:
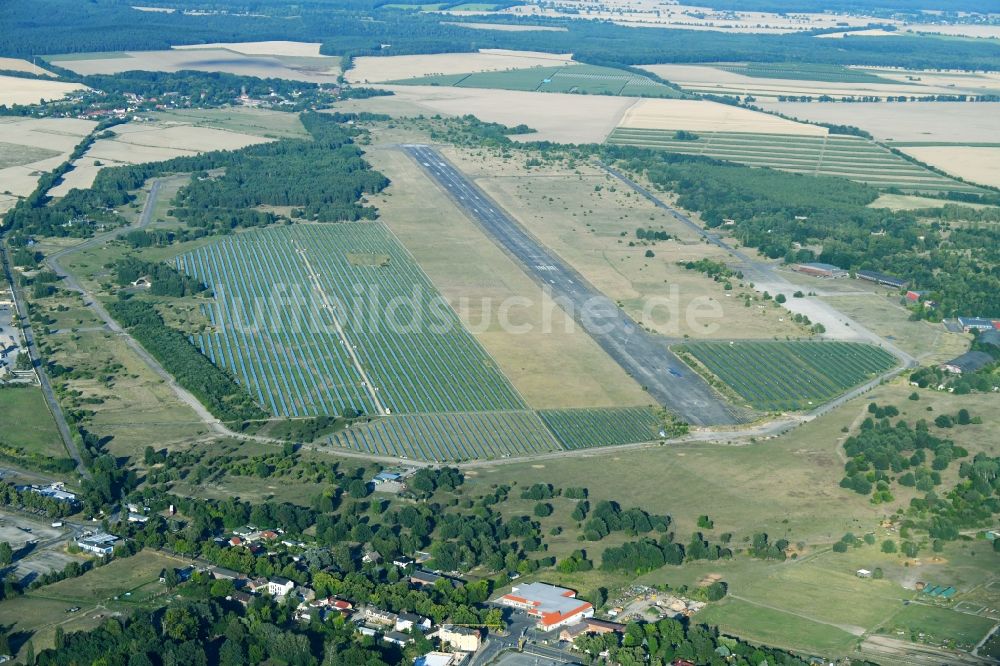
{"type": "Point", "coordinates": [975, 323]}
{"type": "Point", "coordinates": [98, 543]}
{"type": "Point", "coordinates": [820, 270]}
{"type": "Point", "coordinates": [967, 362]}
{"type": "Point", "coordinates": [882, 278]}
{"type": "Point", "coordinates": [553, 606]}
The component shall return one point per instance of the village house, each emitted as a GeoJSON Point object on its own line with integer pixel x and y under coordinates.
{"type": "Point", "coordinates": [408, 621]}
{"type": "Point", "coordinates": [463, 639]}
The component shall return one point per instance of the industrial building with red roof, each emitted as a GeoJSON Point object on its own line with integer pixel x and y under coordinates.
{"type": "Point", "coordinates": [553, 606]}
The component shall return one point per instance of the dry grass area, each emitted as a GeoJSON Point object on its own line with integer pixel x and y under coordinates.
{"type": "Point", "coordinates": [15, 90]}
{"type": "Point", "coordinates": [697, 115]}
{"type": "Point", "coordinates": [54, 137]}
{"type": "Point", "coordinates": [273, 48]}
{"type": "Point", "coordinates": [873, 32]}
{"type": "Point", "coordinates": [150, 142]}
{"type": "Point", "coordinates": [477, 278]}
{"type": "Point", "coordinates": [953, 122]}
{"type": "Point", "coordinates": [589, 220]}
{"type": "Point", "coordinates": [913, 202]}
{"type": "Point", "coordinates": [558, 117]}
{"type": "Point", "coordinates": [975, 164]}
{"type": "Point", "coordinates": [18, 65]}
{"type": "Point", "coordinates": [374, 69]}
{"type": "Point", "coordinates": [295, 68]}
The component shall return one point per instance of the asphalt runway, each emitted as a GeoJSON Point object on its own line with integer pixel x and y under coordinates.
{"type": "Point", "coordinates": [641, 354]}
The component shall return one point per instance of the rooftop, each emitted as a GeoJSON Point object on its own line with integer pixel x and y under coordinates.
{"type": "Point", "coordinates": [547, 598]}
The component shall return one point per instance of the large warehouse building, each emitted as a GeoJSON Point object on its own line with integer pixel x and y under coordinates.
{"type": "Point", "coordinates": [553, 606]}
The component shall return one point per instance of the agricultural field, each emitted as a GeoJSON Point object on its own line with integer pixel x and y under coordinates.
{"type": "Point", "coordinates": [976, 164]}
{"type": "Point", "coordinates": [17, 90]}
{"type": "Point", "coordinates": [705, 116]}
{"type": "Point", "coordinates": [586, 428]}
{"type": "Point", "coordinates": [244, 120]}
{"type": "Point", "coordinates": [374, 69]}
{"type": "Point", "coordinates": [803, 71]}
{"type": "Point", "coordinates": [849, 157]}
{"type": "Point", "coordinates": [18, 65]}
{"type": "Point", "coordinates": [43, 142]}
{"type": "Point", "coordinates": [451, 437]}
{"type": "Point", "coordinates": [557, 117]}
{"type": "Point", "coordinates": [276, 290]}
{"type": "Point", "coordinates": [582, 79]}
{"type": "Point", "coordinates": [313, 69]}
{"type": "Point", "coordinates": [783, 376]}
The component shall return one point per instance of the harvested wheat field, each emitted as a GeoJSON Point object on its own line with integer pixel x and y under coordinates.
{"type": "Point", "coordinates": [15, 90]}
{"type": "Point", "coordinates": [18, 65]}
{"type": "Point", "coordinates": [205, 60]}
{"type": "Point", "coordinates": [558, 117]}
{"type": "Point", "coordinates": [275, 48]}
{"type": "Point", "coordinates": [150, 142]}
{"type": "Point", "coordinates": [951, 122]}
{"type": "Point", "coordinates": [697, 115]}
{"type": "Point", "coordinates": [31, 146]}
{"type": "Point", "coordinates": [393, 68]}
{"type": "Point", "coordinates": [979, 165]}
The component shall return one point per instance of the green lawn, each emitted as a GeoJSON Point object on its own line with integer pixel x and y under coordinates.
{"type": "Point", "coordinates": [940, 625]}
{"type": "Point", "coordinates": [25, 422]}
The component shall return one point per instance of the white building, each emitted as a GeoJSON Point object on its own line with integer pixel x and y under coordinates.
{"type": "Point", "coordinates": [553, 606]}
{"type": "Point", "coordinates": [279, 587]}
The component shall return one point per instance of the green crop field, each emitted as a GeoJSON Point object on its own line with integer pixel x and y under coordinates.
{"type": "Point", "coordinates": [583, 79]}
{"type": "Point", "coordinates": [778, 376]}
{"type": "Point", "coordinates": [803, 72]}
{"type": "Point", "coordinates": [849, 157]}
{"type": "Point", "coordinates": [275, 291]}
{"type": "Point", "coordinates": [586, 428]}
{"type": "Point", "coordinates": [14, 154]}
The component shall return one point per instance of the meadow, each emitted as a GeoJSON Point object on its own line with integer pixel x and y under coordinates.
{"type": "Point", "coordinates": [779, 376]}
{"type": "Point", "coordinates": [802, 71]}
{"type": "Point", "coordinates": [580, 79]}
{"type": "Point", "coordinates": [834, 155]}
{"type": "Point", "coordinates": [25, 422]}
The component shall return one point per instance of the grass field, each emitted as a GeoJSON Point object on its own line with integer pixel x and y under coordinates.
{"type": "Point", "coordinates": [924, 623]}
{"type": "Point", "coordinates": [779, 376]}
{"type": "Point", "coordinates": [273, 330]}
{"type": "Point", "coordinates": [258, 122]}
{"type": "Point", "coordinates": [13, 154]}
{"type": "Point", "coordinates": [835, 155]}
{"type": "Point", "coordinates": [583, 79]}
{"type": "Point", "coordinates": [802, 71]}
{"type": "Point", "coordinates": [25, 422]}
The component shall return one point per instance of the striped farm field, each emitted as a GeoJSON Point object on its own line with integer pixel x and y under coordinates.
{"type": "Point", "coordinates": [587, 428]}
{"type": "Point", "coordinates": [450, 437]}
{"type": "Point", "coordinates": [586, 79]}
{"type": "Point", "coordinates": [300, 312]}
{"type": "Point", "coordinates": [792, 375]}
{"type": "Point", "coordinates": [850, 157]}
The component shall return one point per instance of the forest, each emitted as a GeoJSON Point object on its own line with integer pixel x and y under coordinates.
{"type": "Point", "coordinates": [112, 25]}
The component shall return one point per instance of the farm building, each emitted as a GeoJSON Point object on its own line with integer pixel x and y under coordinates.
{"type": "Point", "coordinates": [553, 606]}
{"type": "Point", "coordinates": [915, 296]}
{"type": "Point", "coordinates": [882, 279]}
{"type": "Point", "coordinates": [969, 324]}
{"type": "Point", "coordinates": [967, 363]}
{"type": "Point", "coordinates": [820, 270]}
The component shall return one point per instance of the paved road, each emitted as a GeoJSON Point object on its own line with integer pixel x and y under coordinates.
{"type": "Point", "coordinates": [642, 355]}
{"type": "Point", "coordinates": [43, 378]}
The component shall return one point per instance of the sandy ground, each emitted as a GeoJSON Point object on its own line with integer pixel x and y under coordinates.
{"type": "Point", "coordinates": [276, 48]}
{"type": "Point", "coordinates": [18, 65]}
{"type": "Point", "coordinates": [58, 134]}
{"type": "Point", "coordinates": [955, 122]}
{"type": "Point", "coordinates": [15, 90]}
{"type": "Point", "coordinates": [978, 165]}
{"type": "Point", "coordinates": [150, 142]}
{"type": "Point", "coordinates": [394, 68]}
{"type": "Point", "coordinates": [506, 27]}
{"type": "Point", "coordinates": [205, 60]}
{"type": "Point", "coordinates": [558, 117]}
{"type": "Point", "coordinates": [697, 115]}
{"type": "Point", "coordinates": [705, 78]}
